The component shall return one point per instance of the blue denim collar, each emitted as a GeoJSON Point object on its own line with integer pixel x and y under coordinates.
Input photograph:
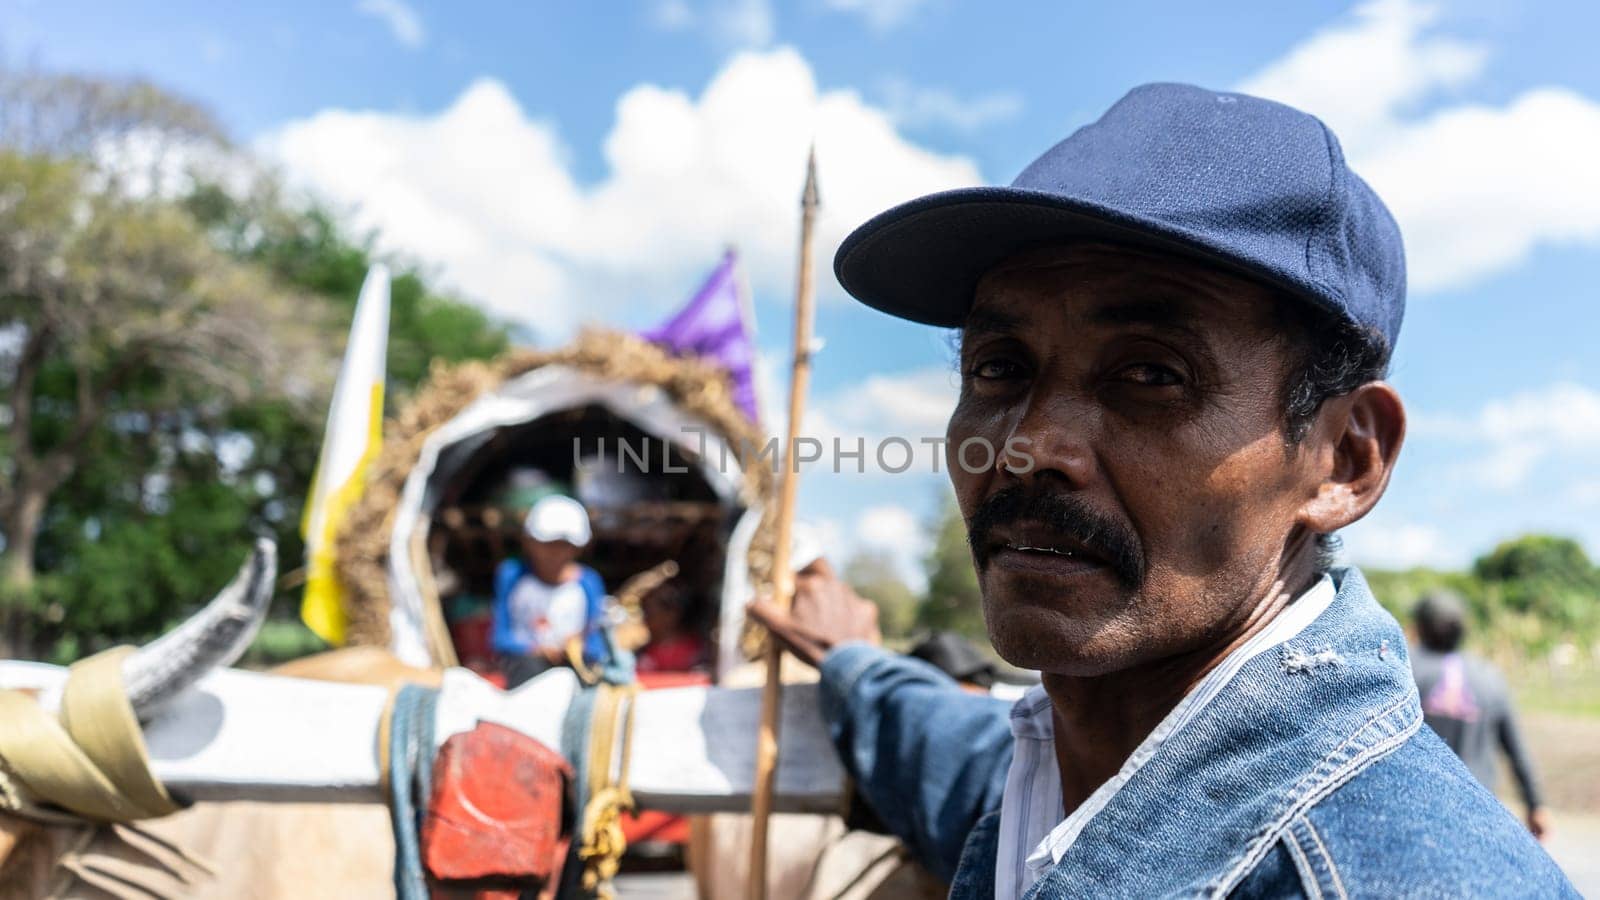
{"type": "Point", "coordinates": [1293, 725]}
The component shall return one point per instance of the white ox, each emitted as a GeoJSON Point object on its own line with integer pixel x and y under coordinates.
{"type": "Point", "coordinates": [224, 736]}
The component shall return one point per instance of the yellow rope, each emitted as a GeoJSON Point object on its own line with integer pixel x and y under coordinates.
{"type": "Point", "coordinates": [586, 673]}
{"type": "Point", "coordinates": [93, 760]}
{"type": "Point", "coordinates": [602, 842]}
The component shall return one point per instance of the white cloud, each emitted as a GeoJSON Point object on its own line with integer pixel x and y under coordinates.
{"type": "Point", "coordinates": [1360, 76]}
{"type": "Point", "coordinates": [1562, 415]}
{"type": "Point", "coordinates": [732, 23]}
{"type": "Point", "coordinates": [896, 532]}
{"type": "Point", "coordinates": [1475, 188]}
{"type": "Point", "coordinates": [1505, 467]}
{"type": "Point", "coordinates": [822, 535]}
{"type": "Point", "coordinates": [744, 23]}
{"type": "Point", "coordinates": [880, 15]}
{"type": "Point", "coordinates": [887, 526]}
{"type": "Point", "coordinates": [672, 15]}
{"type": "Point", "coordinates": [920, 107]}
{"type": "Point", "coordinates": [400, 18]}
{"type": "Point", "coordinates": [896, 421]}
{"type": "Point", "coordinates": [486, 192]}
{"type": "Point", "coordinates": [1521, 431]}
{"type": "Point", "coordinates": [1405, 545]}
{"type": "Point", "coordinates": [1586, 493]}
{"type": "Point", "coordinates": [915, 403]}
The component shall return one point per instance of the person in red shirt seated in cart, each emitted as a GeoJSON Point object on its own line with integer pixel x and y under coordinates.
{"type": "Point", "coordinates": [676, 644]}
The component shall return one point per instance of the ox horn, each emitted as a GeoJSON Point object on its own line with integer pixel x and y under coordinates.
{"type": "Point", "coordinates": [214, 637]}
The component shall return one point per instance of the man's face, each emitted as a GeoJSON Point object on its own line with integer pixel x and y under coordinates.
{"type": "Point", "coordinates": [1148, 391]}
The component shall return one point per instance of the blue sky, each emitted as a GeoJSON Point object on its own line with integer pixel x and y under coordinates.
{"type": "Point", "coordinates": [562, 163]}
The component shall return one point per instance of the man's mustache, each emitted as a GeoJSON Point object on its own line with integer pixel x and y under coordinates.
{"type": "Point", "coordinates": [1061, 512]}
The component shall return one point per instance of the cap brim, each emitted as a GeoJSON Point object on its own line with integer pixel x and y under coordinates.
{"type": "Point", "coordinates": [576, 539]}
{"type": "Point", "coordinates": [922, 260]}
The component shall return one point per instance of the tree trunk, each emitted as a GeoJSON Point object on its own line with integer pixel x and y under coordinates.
{"type": "Point", "coordinates": [36, 478]}
{"type": "Point", "coordinates": [21, 526]}
{"type": "Point", "coordinates": [20, 522]}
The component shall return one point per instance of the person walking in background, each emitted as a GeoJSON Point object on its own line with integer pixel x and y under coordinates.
{"type": "Point", "coordinates": [1466, 701]}
{"type": "Point", "coordinates": [545, 597]}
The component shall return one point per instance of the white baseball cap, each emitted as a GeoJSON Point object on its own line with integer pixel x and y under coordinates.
{"type": "Point", "coordinates": [558, 518]}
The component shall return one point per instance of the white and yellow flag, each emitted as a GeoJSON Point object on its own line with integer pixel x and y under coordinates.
{"type": "Point", "coordinates": [349, 447]}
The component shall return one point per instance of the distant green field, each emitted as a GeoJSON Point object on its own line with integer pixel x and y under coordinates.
{"type": "Point", "coordinates": [1550, 686]}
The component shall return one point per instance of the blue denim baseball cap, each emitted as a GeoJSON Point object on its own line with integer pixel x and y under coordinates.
{"type": "Point", "coordinates": [1243, 183]}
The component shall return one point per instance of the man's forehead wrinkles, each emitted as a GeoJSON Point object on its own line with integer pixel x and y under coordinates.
{"type": "Point", "coordinates": [1105, 276]}
{"type": "Point", "coordinates": [985, 320]}
{"type": "Point", "coordinates": [1161, 312]}
{"type": "Point", "coordinates": [1150, 309]}
{"type": "Point", "coordinates": [1111, 261]}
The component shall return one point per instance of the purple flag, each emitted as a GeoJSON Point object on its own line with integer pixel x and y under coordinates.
{"type": "Point", "coordinates": [712, 325]}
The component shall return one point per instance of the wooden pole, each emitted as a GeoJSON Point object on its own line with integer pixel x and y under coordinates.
{"type": "Point", "coordinates": [782, 577]}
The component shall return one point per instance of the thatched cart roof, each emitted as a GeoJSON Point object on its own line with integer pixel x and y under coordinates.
{"type": "Point", "coordinates": [699, 388]}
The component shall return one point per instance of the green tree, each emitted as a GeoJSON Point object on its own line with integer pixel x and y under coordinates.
{"type": "Point", "coordinates": [953, 601]}
{"type": "Point", "coordinates": [872, 574]}
{"type": "Point", "coordinates": [122, 314]}
{"type": "Point", "coordinates": [1399, 591]}
{"type": "Point", "coordinates": [166, 357]}
{"type": "Point", "coordinates": [1537, 556]}
{"type": "Point", "coordinates": [1526, 595]}
{"type": "Point", "coordinates": [305, 246]}
{"type": "Point", "coordinates": [1546, 577]}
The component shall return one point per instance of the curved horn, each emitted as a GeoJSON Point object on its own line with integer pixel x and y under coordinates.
{"type": "Point", "coordinates": [216, 636]}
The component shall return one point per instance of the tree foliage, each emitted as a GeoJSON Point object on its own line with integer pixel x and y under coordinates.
{"type": "Point", "coordinates": [1526, 596]}
{"type": "Point", "coordinates": [1544, 557]}
{"type": "Point", "coordinates": [872, 574]}
{"type": "Point", "coordinates": [1545, 577]}
{"type": "Point", "coordinates": [128, 325]}
{"type": "Point", "coordinates": [167, 345]}
{"type": "Point", "coordinates": [953, 601]}
{"type": "Point", "coordinates": [305, 246]}
{"type": "Point", "coordinates": [63, 115]}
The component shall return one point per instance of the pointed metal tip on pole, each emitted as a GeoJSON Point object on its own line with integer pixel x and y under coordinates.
{"type": "Point", "coordinates": [810, 199]}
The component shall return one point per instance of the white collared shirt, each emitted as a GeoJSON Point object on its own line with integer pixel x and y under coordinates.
{"type": "Point", "coordinates": [1035, 832]}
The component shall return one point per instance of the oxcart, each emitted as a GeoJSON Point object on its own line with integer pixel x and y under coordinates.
{"type": "Point", "coordinates": [654, 445]}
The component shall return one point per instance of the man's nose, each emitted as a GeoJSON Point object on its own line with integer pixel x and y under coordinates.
{"type": "Point", "coordinates": [1052, 434]}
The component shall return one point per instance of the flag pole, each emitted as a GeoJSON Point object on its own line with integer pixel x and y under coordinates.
{"type": "Point", "coordinates": [782, 577]}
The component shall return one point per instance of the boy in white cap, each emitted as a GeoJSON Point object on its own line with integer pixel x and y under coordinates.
{"type": "Point", "coordinates": [545, 597]}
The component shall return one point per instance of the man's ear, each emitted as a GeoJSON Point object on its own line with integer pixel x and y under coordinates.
{"type": "Point", "coordinates": [1358, 437]}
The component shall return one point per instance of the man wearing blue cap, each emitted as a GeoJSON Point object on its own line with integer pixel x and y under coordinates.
{"type": "Point", "coordinates": [1176, 324]}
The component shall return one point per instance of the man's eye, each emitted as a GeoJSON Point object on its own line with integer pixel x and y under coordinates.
{"type": "Point", "coordinates": [1150, 375]}
{"type": "Point", "coordinates": [995, 370]}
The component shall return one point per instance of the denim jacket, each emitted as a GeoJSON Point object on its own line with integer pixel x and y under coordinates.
{"type": "Point", "coordinates": [1315, 782]}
